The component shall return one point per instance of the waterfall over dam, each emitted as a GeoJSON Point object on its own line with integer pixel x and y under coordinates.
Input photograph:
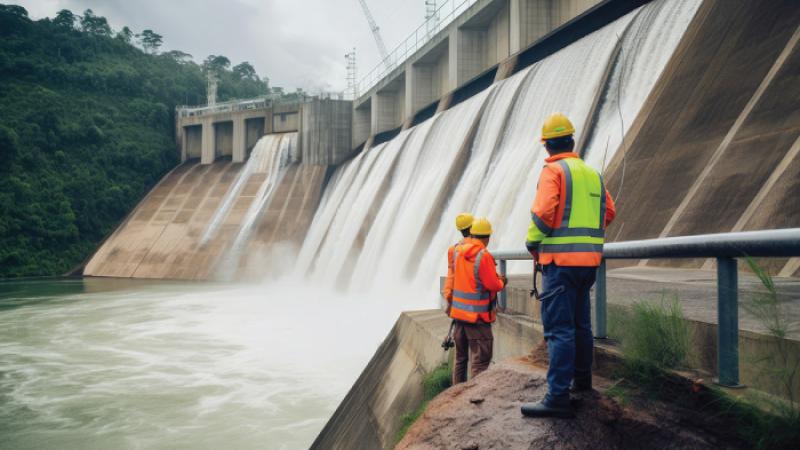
{"type": "Point", "coordinates": [483, 155]}
{"type": "Point", "coordinates": [660, 102]}
{"type": "Point", "coordinates": [201, 215]}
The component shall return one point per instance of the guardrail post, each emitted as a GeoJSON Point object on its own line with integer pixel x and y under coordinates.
{"type": "Point", "coordinates": [502, 296]}
{"type": "Point", "coordinates": [600, 303]}
{"type": "Point", "coordinates": [727, 322]}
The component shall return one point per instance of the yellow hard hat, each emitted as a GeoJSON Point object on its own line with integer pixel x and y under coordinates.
{"type": "Point", "coordinates": [481, 227]}
{"type": "Point", "coordinates": [556, 126]}
{"type": "Point", "coordinates": [463, 221]}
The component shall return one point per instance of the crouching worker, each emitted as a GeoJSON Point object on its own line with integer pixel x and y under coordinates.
{"type": "Point", "coordinates": [475, 286]}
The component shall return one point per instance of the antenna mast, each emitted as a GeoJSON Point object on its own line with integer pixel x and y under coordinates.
{"type": "Point", "coordinates": [352, 85]}
{"type": "Point", "coordinates": [211, 91]}
{"type": "Point", "coordinates": [431, 17]}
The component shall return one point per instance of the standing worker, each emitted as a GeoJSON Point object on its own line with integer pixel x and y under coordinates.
{"type": "Point", "coordinates": [475, 286]}
{"type": "Point", "coordinates": [569, 216]}
{"type": "Point", "coordinates": [463, 223]}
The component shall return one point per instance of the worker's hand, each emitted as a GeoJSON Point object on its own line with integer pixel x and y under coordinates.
{"type": "Point", "coordinates": [504, 279]}
{"type": "Point", "coordinates": [447, 309]}
{"type": "Point", "coordinates": [535, 254]}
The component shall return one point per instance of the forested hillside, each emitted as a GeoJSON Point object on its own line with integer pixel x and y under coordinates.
{"type": "Point", "coordinates": [86, 128]}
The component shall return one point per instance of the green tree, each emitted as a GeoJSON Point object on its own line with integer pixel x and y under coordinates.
{"type": "Point", "coordinates": [178, 56]}
{"type": "Point", "coordinates": [125, 35]}
{"type": "Point", "coordinates": [216, 64]}
{"type": "Point", "coordinates": [150, 41]}
{"type": "Point", "coordinates": [86, 129]}
{"type": "Point", "coordinates": [92, 24]}
{"type": "Point", "coordinates": [14, 10]}
{"type": "Point", "coordinates": [245, 71]}
{"type": "Point", "coordinates": [65, 18]}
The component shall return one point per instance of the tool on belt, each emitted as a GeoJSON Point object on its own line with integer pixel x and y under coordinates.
{"type": "Point", "coordinates": [448, 343]}
{"type": "Point", "coordinates": [537, 269]}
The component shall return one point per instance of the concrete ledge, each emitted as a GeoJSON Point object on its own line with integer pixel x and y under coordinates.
{"type": "Point", "coordinates": [391, 384]}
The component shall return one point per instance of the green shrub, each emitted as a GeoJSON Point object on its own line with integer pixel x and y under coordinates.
{"type": "Point", "coordinates": [433, 384]}
{"type": "Point", "coordinates": [656, 335]}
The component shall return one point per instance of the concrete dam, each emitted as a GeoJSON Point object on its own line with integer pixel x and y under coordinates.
{"type": "Point", "coordinates": [382, 206]}
{"type": "Point", "coordinates": [689, 108]}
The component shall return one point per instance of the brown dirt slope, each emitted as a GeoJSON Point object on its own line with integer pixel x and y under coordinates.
{"type": "Point", "coordinates": [457, 419]}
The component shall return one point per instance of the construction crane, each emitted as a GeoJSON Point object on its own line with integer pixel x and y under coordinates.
{"type": "Point", "coordinates": [376, 32]}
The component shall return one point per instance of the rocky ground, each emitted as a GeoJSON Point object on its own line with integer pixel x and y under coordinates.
{"type": "Point", "coordinates": [484, 413]}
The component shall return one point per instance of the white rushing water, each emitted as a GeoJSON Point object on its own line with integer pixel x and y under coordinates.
{"type": "Point", "coordinates": [274, 156]}
{"type": "Point", "coordinates": [94, 364]}
{"type": "Point", "coordinates": [263, 156]}
{"type": "Point", "coordinates": [496, 175]}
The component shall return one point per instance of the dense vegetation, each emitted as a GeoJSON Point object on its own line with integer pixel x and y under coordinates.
{"type": "Point", "coordinates": [86, 128]}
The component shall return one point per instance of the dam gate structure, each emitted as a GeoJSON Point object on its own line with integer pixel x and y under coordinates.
{"type": "Point", "coordinates": [458, 108]}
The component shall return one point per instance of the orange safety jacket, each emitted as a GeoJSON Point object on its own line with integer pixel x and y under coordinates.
{"type": "Point", "coordinates": [447, 290]}
{"type": "Point", "coordinates": [475, 283]}
{"type": "Point", "coordinates": [570, 213]}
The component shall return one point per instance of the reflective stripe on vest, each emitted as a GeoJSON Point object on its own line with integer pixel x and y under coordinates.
{"type": "Point", "coordinates": [475, 268]}
{"type": "Point", "coordinates": [581, 228]}
{"type": "Point", "coordinates": [470, 302]}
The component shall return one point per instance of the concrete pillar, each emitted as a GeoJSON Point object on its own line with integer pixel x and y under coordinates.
{"type": "Point", "coordinates": [530, 20]}
{"type": "Point", "coordinates": [184, 144]}
{"type": "Point", "coordinates": [408, 97]}
{"type": "Point", "coordinates": [497, 37]}
{"type": "Point", "coordinates": [384, 112]}
{"type": "Point", "coordinates": [326, 132]}
{"type": "Point", "coordinates": [467, 55]}
{"type": "Point", "coordinates": [239, 147]}
{"type": "Point", "coordinates": [208, 142]}
{"type": "Point", "coordinates": [362, 118]}
{"type": "Point", "coordinates": [424, 84]}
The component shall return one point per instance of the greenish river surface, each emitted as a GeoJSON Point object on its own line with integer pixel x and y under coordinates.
{"type": "Point", "coordinates": [121, 364]}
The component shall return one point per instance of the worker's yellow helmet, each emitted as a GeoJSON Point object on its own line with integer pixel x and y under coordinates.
{"type": "Point", "coordinates": [463, 221]}
{"type": "Point", "coordinates": [556, 126]}
{"type": "Point", "coordinates": [481, 227]}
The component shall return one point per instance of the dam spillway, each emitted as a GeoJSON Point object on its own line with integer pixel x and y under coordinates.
{"type": "Point", "coordinates": [384, 211]}
{"type": "Point", "coordinates": [199, 216]}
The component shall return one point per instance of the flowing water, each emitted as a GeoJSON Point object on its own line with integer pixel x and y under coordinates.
{"type": "Point", "coordinates": [270, 154]}
{"type": "Point", "coordinates": [93, 364]}
{"type": "Point", "coordinates": [115, 364]}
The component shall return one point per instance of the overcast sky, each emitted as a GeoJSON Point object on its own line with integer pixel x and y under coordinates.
{"type": "Point", "coordinates": [296, 43]}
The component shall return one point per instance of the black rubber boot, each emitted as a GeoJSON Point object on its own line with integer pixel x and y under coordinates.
{"type": "Point", "coordinates": [540, 409]}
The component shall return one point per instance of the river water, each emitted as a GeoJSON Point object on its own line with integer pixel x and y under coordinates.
{"type": "Point", "coordinates": [100, 364]}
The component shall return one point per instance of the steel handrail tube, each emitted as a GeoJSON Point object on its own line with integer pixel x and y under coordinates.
{"type": "Point", "coordinates": [725, 247]}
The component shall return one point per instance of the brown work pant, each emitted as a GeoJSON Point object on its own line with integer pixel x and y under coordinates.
{"type": "Point", "coordinates": [474, 344]}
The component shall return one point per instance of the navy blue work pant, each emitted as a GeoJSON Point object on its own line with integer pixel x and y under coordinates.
{"type": "Point", "coordinates": [567, 328]}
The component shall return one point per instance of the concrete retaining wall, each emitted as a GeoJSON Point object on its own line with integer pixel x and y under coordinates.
{"type": "Point", "coordinates": [325, 137]}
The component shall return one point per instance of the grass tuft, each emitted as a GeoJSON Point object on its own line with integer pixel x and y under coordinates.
{"type": "Point", "coordinates": [433, 384]}
{"type": "Point", "coordinates": [656, 336]}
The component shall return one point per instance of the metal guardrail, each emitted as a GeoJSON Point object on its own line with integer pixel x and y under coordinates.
{"type": "Point", "coordinates": [418, 38]}
{"type": "Point", "coordinates": [725, 247]}
{"type": "Point", "coordinates": [229, 106]}
{"type": "Point", "coordinates": [255, 103]}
